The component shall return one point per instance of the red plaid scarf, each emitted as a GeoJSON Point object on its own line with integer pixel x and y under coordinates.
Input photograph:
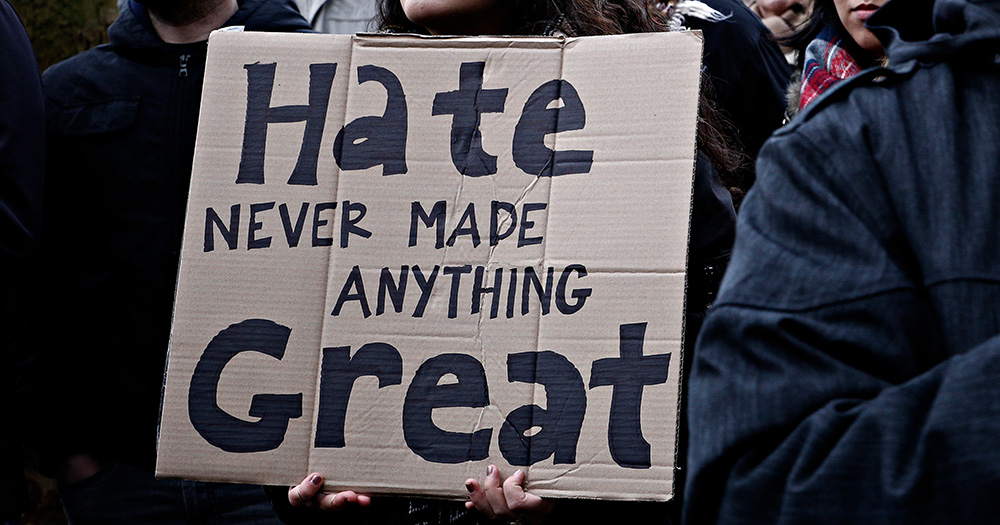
{"type": "Point", "coordinates": [826, 63]}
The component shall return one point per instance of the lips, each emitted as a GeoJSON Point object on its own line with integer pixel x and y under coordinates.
{"type": "Point", "coordinates": [864, 11]}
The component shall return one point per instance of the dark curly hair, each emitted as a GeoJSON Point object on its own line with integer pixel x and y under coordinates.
{"type": "Point", "coordinates": [530, 17]}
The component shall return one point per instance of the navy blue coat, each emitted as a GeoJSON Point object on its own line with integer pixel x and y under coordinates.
{"type": "Point", "coordinates": [849, 372]}
{"type": "Point", "coordinates": [121, 124]}
{"type": "Point", "coordinates": [22, 156]}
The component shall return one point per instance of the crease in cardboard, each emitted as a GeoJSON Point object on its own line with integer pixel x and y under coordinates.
{"type": "Point", "coordinates": [324, 317]}
{"type": "Point", "coordinates": [545, 246]}
{"type": "Point", "coordinates": [490, 260]}
{"type": "Point", "coordinates": [491, 252]}
{"type": "Point", "coordinates": [555, 479]}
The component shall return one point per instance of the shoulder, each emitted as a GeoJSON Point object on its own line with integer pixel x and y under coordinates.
{"type": "Point", "coordinates": [93, 92]}
{"type": "Point", "coordinates": [821, 206]}
{"type": "Point", "coordinates": [834, 143]}
{"type": "Point", "coordinates": [864, 89]}
{"type": "Point", "coordinates": [81, 74]}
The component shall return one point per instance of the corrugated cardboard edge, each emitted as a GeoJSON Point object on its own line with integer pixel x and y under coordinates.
{"type": "Point", "coordinates": [681, 380]}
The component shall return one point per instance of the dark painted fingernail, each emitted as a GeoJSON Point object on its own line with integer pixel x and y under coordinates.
{"type": "Point", "coordinates": [315, 480]}
{"type": "Point", "coordinates": [468, 487]}
{"type": "Point", "coordinates": [489, 470]}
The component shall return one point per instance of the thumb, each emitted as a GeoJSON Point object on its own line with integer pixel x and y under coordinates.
{"type": "Point", "coordinates": [530, 507]}
{"type": "Point", "coordinates": [513, 488]}
{"type": "Point", "coordinates": [301, 494]}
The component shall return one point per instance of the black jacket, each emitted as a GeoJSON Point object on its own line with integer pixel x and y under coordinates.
{"type": "Point", "coordinates": [121, 122]}
{"type": "Point", "coordinates": [748, 75]}
{"type": "Point", "coordinates": [22, 156]}
{"type": "Point", "coordinates": [849, 371]}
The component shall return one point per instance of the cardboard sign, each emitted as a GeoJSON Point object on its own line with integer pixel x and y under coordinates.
{"type": "Point", "coordinates": [407, 258]}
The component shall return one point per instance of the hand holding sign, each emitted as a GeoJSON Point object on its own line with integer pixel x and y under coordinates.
{"type": "Point", "coordinates": [309, 494]}
{"type": "Point", "coordinates": [507, 498]}
{"type": "Point", "coordinates": [495, 497]}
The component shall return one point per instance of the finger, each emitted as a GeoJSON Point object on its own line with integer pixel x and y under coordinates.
{"type": "Point", "coordinates": [513, 490]}
{"type": "Point", "coordinates": [521, 502]}
{"type": "Point", "coordinates": [301, 494]}
{"type": "Point", "coordinates": [492, 484]}
{"type": "Point", "coordinates": [477, 498]}
{"type": "Point", "coordinates": [337, 501]}
{"type": "Point", "coordinates": [342, 500]}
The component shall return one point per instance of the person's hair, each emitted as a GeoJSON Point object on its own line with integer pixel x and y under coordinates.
{"type": "Point", "coordinates": [825, 15]}
{"type": "Point", "coordinates": [531, 17]}
{"type": "Point", "coordinates": [602, 17]}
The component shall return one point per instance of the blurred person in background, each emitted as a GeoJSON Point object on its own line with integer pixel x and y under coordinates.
{"type": "Point", "coordinates": [783, 18]}
{"type": "Point", "coordinates": [339, 16]}
{"type": "Point", "coordinates": [835, 46]}
{"type": "Point", "coordinates": [121, 121]}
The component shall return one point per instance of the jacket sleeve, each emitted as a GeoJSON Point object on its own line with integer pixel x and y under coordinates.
{"type": "Point", "coordinates": [821, 392]}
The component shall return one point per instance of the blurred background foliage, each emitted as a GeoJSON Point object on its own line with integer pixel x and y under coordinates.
{"type": "Point", "coordinates": [60, 29]}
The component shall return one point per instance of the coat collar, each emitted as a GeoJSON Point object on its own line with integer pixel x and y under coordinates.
{"type": "Point", "coordinates": [930, 30]}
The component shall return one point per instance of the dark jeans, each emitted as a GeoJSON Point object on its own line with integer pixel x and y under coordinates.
{"type": "Point", "coordinates": [125, 495]}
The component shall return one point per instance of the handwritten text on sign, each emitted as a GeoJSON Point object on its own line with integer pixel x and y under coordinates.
{"type": "Point", "coordinates": [405, 259]}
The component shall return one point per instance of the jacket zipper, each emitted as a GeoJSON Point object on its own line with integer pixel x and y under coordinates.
{"type": "Point", "coordinates": [183, 73]}
{"type": "Point", "coordinates": [180, 95]}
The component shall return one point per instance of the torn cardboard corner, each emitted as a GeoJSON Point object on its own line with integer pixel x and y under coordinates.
{"type": "Point", "coordinates": [408, 258]}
